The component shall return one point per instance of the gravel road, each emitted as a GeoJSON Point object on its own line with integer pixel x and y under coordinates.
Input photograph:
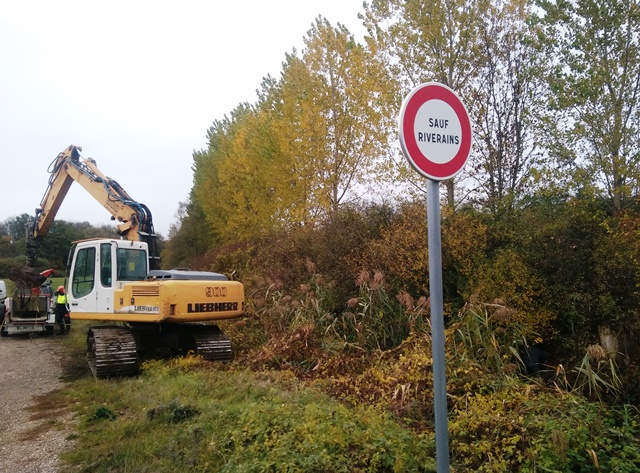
{"type": "Point", "coordinates": [33, 430]}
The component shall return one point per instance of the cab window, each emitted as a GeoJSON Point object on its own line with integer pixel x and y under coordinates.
{"type": "Point", "coordinates": [105, 264]}
{"type": "Point", "coordinates": [83, 272]}
{"type": "Point", "coordinates": [132, 264]}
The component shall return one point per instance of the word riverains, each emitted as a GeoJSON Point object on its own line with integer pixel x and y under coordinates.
{"type": "Point", "coordinates": [438, 138]}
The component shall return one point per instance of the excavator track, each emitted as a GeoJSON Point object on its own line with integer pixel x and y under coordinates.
{"type": "Point", "coordinates": [211, 343]}
{"type": "Point", "coordinates": [111, 351]}
{"type": "Point", "coordinates": [205, 340]}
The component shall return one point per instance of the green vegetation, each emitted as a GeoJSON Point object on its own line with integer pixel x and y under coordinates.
{"type": "Point", "coordinates": [305, 401]}
{"type": "Point", "coordinates": [304, 198]}
{"type": "Point", "coordinates": [188, 415]}
{"type": "Point", "coordinates": [55, 247]}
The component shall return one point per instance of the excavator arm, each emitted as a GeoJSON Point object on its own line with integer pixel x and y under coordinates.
{"type": "Point", "coordinates": [134, 221]}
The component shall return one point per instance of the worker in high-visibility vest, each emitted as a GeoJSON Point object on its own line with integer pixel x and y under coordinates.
{"type": "Point", "coordinates": [61, 311]}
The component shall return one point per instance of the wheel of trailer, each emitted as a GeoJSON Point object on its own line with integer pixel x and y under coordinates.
{"type": "Point", "coordinates": [112, 351]}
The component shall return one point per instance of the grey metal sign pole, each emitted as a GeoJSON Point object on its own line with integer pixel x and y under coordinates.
{"type": "Point", "coordinates": [435, 135]}
{"type": "Point", "coordinates": [437, 325]}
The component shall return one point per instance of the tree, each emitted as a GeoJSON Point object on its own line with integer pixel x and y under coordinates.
{"type": "Point", "coordinates": [17, 227]}
{"type": "Point", "coordinates": [55, 245]}
{"type": "Point", "coordinates": [333, 117]}
{"type": "Point", "coordinates": [482, 50]}
{"type": "Point", "coordinates": [297, 155]}
{"type": "Point", "coordinates": [423, 41]}
{"type": "Point", "coordinates": [596, 87]}
{"type": "Point", "coordinates": [242, 182]}
{"type": "Point", "coordinates": [189, 238]}
{"type": "Point", "coordinates": [505, 104]}
{"type": "Point", "coordinates": [212, 191]}
{"type": "Point", "coordinates": [12, 236]}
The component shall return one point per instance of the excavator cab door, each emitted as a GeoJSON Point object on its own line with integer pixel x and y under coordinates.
{"type": "Point", "coordinates": [82, 291]}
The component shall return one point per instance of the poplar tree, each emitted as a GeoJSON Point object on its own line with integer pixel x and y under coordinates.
{"type": "Point", "coordinates": [596, 90]}
{"type": "Point", "coordinates": [238, 178]}
{"type": "Point", "coordinates": [332, 119]}
{"type": "Point", "coordinates": [429, 41]}
{"type": "Point", "coordinates": [482, 50]}
{"type": "Point", "coordinates": [308, 145]}
{"type": "Point", "coordinates": [506, 105]}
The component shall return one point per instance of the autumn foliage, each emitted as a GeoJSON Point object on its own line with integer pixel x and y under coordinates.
{"type": "Point", "coordinates": [306, 200]}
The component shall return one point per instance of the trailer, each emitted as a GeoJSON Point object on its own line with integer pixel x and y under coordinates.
{"type": "Point", "coordinates": [28, 311]}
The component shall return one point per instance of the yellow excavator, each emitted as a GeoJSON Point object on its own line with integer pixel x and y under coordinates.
{"type": "Point", "coordinates": [120, 280]}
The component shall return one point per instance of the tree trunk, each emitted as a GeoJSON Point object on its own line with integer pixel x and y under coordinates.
{"type": "Point", "coordinates": [609, 341]}
{"type": "Point", "coordinates": [450, 196]}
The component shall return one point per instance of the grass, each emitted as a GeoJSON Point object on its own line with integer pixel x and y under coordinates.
{"type": "Point", "coordinates": [189, 415]}
{"type": "Point", "coordinates": [186, 414]}
{"type": "Point", "coordinates": [57, 281]}
{"type": "Point", "coordinates": [179, 416]}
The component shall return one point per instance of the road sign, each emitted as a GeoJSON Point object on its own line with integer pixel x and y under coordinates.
{"type": "Point", "coordinates": [436, 136]}
{"type": "Point", "coordinates": [435, 131]}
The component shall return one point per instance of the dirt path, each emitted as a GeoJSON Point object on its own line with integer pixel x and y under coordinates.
{"type": "Point", "coordinates": [33, 430]}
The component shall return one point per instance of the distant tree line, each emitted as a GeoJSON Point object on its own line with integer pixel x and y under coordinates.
{"type": "Point", "coordinates": [55, 246]}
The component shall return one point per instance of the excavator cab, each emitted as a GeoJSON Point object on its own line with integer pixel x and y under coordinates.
{"type": "Point", "coordinates": [98, 267]}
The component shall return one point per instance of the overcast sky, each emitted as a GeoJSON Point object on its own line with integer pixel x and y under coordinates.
{"type": "Point", "coordinates": [136, 84]}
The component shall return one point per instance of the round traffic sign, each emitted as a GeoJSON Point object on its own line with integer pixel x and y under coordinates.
{"type": "Point", "coordinates": [435, 131]}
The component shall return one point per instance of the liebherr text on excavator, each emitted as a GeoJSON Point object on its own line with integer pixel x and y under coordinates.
{"type": "Point", "coordinates": [120, 280]}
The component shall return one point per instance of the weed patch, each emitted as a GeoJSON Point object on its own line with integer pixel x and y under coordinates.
{"type": "Point", "coordinates": [183, 415]}
{"type": "Point", "coordinates": [172, 413]}
{"type": "Point", "coordinates": [100, 414]}
{"type": "Point", "coordinates": [326, 392]}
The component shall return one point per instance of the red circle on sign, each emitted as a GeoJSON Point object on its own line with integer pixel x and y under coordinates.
{"type": "Point", "coordinates": [424, 164]}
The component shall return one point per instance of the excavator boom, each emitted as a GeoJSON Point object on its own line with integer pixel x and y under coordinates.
{"type": "Point", "coordinates": [119, 281]}
{"type": "Point", "coordinates": [134, 220]}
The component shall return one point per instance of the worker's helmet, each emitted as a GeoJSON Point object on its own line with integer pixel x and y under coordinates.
{"type": "Point", "coordinates": [60, 288]}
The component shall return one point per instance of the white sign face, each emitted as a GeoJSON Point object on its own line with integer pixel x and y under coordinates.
{"type": "Point", "coordinates": [435, 131]}
{"type": "Point", "coordinates": [438, 131]}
